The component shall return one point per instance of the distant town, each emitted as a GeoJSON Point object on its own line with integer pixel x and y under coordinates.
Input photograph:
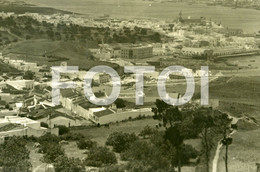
{"type": "Point", "coordinates": [121, 136]}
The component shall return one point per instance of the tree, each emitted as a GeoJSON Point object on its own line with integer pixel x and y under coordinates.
{"type": "Point", "coordinates": [52, 152]}
{"type": "Point", "coordinates": [120, 141]}
{"type": "Point", "coordinates": [50, 147]}
{"type": "Point", "coordinates": [172, 120]}
{"type": "Point", "coordinates": [223, 122]}
{"type": "Point", "coordinates": [137, 29]}
{"type": "Point", "coordinates": [28, 37]}
{"type": "Point", "coordinates": [156, 37]}
{"type": "Point", "coordinates": [14, 156]}
{"type": "Point", "coordinates": [29, 75]}
{"type": "Point", "coordinates": [147, 131]}
{"type": "Point", "coordinates": [204, 121]}
{"type": "Point", "coordinates": [72, 136]}
{"type": "Point", "coordinates": [86, 144]}
{"type": "Point", "coordinates": [65, 164]}
{"type": "Point", "coordinates": [120, 103]}
{"type": "Point", "coordinates": [143, 31]}
{"type": "Point", "coordinates": [100, 156]}
{"type": "Point", "coordinates": [145, 156]}
{"type": "Point", "coordinates": [48, 138]}
{"type": "Point", "coordinates": [188, 152]}
{"type": "Point", "coordinates": [166, 148]}
{"type": "Point", "coordinates": [173, 135]}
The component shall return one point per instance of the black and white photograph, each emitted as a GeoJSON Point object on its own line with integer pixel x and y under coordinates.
{"type": "Point", "coordinates": [129, 85]}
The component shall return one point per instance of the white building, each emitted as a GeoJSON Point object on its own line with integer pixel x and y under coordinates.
{"type": "Point", "coordinates": [21, 84]}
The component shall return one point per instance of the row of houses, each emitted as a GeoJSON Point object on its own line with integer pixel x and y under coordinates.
{"type": "Point", "coordinates": [79, 105]}
{"type": "Point", "coordinates": [128, 51]}
{"type": "Point", "coordinates": [206, 52]}
{"type": "Point", "coordinates": [40, 71]}
{"type": "Point", "coordinates": [22, 126]}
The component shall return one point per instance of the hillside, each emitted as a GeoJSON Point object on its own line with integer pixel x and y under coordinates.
{"type": "Point", "coordinates": [50, 53]}
{"type": "Point", "coordinates": [20, 7]}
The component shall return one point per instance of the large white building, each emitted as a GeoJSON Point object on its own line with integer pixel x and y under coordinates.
{"type": "Point", "coordinates": [22, 126]}
{"type": "Point", "coordinates": [21, 84]}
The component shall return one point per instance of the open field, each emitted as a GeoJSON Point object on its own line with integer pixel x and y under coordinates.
{"type": "Point", "coordinates": [243, 153]}
{"type": "Point", "coordinates": [100, 134]}
{"type": "Point", "coordinates": [72, 151]}
{"type": "Point", "coordinates": [75, 53]}
{"type": "Point", "coordinates": [238, 89]}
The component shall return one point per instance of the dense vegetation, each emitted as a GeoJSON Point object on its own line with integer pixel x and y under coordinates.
{"type": "Point", "coordinates": [154, 149]}
{"type": "Point", "coordinates": [25, 28]}
{"type": "Point", "coordinates": [14, 156]}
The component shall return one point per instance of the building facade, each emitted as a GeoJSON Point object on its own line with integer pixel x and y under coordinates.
{"type": "Point", "coordinates": [136, 52]}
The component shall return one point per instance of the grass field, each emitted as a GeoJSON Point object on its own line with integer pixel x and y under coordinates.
{"type": "Point", "coordinates": [100, 134]}
{"type": "Point", "coordinates": [243, 153]}
{"type": "Point", "coordinates": [238, 89]}
{"type": "Point", "coordinates": [72, 151]}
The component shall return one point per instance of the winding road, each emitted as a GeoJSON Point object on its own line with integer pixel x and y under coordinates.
{"type": "Point", "coordinates": [218, 150]}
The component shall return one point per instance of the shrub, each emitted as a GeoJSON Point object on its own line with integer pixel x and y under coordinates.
{"type": "Point", "coordinates": [52, 151]}
{"type": "Point", "coordinates": [72, 136]}
{"type": "Point", "coordinates": [120, 141]}
{"type": "Point", "coordinates": [48, 138]}
{"type": "Point", "coordinates": [86, 144]}
{"type": "Point", "coordinates": [100, 156]}
{"type": "Point", "coordinates": [65, 164]}
{"type": "Point", "coordinates": [14, 156]}
{"type": "Point", "coordinates": [27, 37]}
{"type": "Point", "coordinates": [147, 131]}
{"type": "Point", "coordinates": [188, 152]}
{"type": "Point", "coordinates": [120, 103]}
{"type": "Point", "coordinates": [114, 168]}
{"type": "Point", "coordinates": [145, 156]}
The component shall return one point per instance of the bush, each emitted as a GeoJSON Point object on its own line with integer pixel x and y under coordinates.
{"type": "Point", "coordinates": [72, 136]}
{"type": "Point", "coordinates": [120, 103]}
{"type": "Point", "coordinates": [147, 131]}
{"type": "Point", "coordinates": [28, 37]}
{"type": "Point", "coordinates": [86, 144]}
{"type": "Point", "coordinates": [65, 164]}
{"type": "Point", "coordinates": [52, 151]}
{"type": "Point", "coordinates": [100, 156]}
{"type": "Point", "coordinates": [14, 156]}
{"type": "Point", "coordinates": [50, 147]}
{"type": "Point", "coordinates": [120, 141]}
{"type": "Point", "coordinates": [188, 152]}
{"type": "Point", "coordinates": [48, 138]}
{"type": "Point", "coordinates": [32, 139]}
{"type": "Point", "coordinates": [114, 168]}
{"type": "Point", "coordinates": [145, 156]}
